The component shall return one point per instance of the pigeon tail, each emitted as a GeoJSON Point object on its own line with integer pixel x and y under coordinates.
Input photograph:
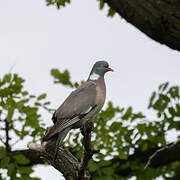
{"type": "Point", "coordinates": [61, 136]}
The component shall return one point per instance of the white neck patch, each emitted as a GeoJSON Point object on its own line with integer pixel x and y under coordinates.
{"type": "Point", "coordinates": [94, 76]}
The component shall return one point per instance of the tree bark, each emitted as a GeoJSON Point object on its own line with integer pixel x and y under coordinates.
{"type": "Point", "coordinates": [165, 155]}
{"type": "Point", "coordinates": [65, 162]}
{"type": "Point", "coordinates": [158, 157]}
{"type": "Point", "coordinates": [159, 19]}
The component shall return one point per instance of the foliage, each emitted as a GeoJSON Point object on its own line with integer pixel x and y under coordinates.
{"type": "Point", "coordinates": [63, 3]}
{"type": "Point", "coordinates": [58, 3]}
{"type": "Point", "coordinates": [63, 78]}
{"type": "Point", "coordinates": [119, 133]}
{"type": "Point", "coordinates": [19, 118]}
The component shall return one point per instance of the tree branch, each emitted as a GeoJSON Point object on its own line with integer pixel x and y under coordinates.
{"type": "Point", "coordinates": [89, 151]}
{"type": "Point", "coordinates": [7, 146]}
{"type": "Point", "coordinates": [165, 155]}
{"type": "Point", "coordinates": [162, 158]}
{"type": "Point", "coordinates": [33, 157]}
{"type": "Point", "coordinates": [65, 162]}
{"type": "Point", "coordinates": [160, 20]}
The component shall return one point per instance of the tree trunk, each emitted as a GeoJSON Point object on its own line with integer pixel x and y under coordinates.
{"type": "Point", "coordinates": [159, 19]}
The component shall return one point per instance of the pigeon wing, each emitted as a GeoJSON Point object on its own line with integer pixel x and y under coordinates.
{"type": "Point", "coordinates": [78, 103]}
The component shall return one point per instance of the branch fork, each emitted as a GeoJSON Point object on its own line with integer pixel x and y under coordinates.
{"type": "Point", "coordinates": [65, 162]}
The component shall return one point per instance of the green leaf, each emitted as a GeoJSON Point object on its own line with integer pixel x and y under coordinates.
{"type": "Point", "coordinates": [63, 78]}
{"type": "Point", "coordinates": [122, 155]}
{"type": "Point", "coordinates": [10, 113]}
{"type": "Point", "coordinates": [128, 113]}
{"type": "Point", "coordinates": [101, 4]}
{"type": "Point", "coordinates": [2, 153]}
{"type": "Point", "coordinates": [21, 159]}
{"type": "Point", "coordinates": [161, 103]}
{"type": "Point", "coordinates": [92, 166]}
{"type": "Point", "coordinates": [37, 104]}
{"type": "Point", "coordinates": [7, 78]}
{"type": "Point", "coordinates": [172, 111]}
{"type": "Point", "coordinates": [20, 104]}
{"type": "Point", "coordinates": [104, 163]}
{"type": "Point", "coordinates": [174, 92]}
{"type": "Point", "coordinates": [127, 135]}
{"type": "Point", "coordinates": [177, 110]}
{"type": "Point", "coordinates": [5, 162]}
{"type": "Point", "coordinates": [152, 99]}
{"type": "Point", "coordinates": [42, 96]}
{"type": "Point", "coordinates": [25, 170]}
{"type": "Point", "coordinates": [24, 93]}
{"type": "Point", "coordinates": [115, 126]}
{"type": "Point", "coordinates": [47, 103]}
{"type": "Point", "coordinates": [111, 12]}
{"type": "Point", "coordinates": [108, 171]}
{"type": "Point", "coordinates": [11, 168]}
{"type": "Point", "coordinates": [141, 128]}
{"type": "Point", "coordinates": [144, 146]}
{"type": "Point", "coordinates": [58, 4]}
{"type": "Point", "coordinates": [137, 116]}
{"type": "Point", "coordinates": [163, 86]}
{"type": "Point", "coordinates": [110, 111]}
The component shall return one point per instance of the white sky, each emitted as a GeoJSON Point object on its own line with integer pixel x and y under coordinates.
{"type": "Point", "coordinates": [36, 38]}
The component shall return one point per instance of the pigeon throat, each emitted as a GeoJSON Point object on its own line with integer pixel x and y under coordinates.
{"type": "Point", "coordinates": [94, 76]}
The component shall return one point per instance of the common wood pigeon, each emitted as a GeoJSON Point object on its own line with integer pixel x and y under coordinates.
{"type": "Point", "coordinates": [81, 105]}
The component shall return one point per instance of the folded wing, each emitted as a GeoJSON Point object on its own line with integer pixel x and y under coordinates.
{"type": "Point", "coordinates": [78, 103]}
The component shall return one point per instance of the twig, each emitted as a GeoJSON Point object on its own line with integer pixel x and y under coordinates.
{"type": "Point", "coordinates": [165, 155]}
{"type": "Point", "coordinates": [8, 148]}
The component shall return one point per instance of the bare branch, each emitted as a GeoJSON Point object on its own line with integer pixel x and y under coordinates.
{"type": "Point", "coordinates": [165, 155]}
{"type": "Point", "coordinates": [8, 148]}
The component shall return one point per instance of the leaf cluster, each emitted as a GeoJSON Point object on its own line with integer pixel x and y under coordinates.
{"type": "Point", "coordinates": [62, 3]}
{"type": "Point", "coordinates": [63, 78]}
{"type": "Point", "coordinates": [19, 119]}
{"type": "Point", "coordinates": [121, 134]}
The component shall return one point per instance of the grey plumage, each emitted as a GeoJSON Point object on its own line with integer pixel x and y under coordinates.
{"type": "Point", "coordinates": [82, 104]}
{"type": "Point", "coordinates": [61, 136]}
{"type": "Point", "coordinates": [73, 107]}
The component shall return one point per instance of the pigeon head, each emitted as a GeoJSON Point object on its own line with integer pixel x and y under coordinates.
{"type": "Point", "coordinates": [99, 69]}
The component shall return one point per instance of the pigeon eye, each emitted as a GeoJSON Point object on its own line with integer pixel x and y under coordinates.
{"type": "Point", "coordinates": [106, 66]}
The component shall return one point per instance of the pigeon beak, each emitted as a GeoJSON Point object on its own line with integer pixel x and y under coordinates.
{"type": "Point", "coordinates": [110, 69]}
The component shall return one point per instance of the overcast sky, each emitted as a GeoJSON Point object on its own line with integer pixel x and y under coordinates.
{"type": "Point", "coordinates": [35, 38]}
